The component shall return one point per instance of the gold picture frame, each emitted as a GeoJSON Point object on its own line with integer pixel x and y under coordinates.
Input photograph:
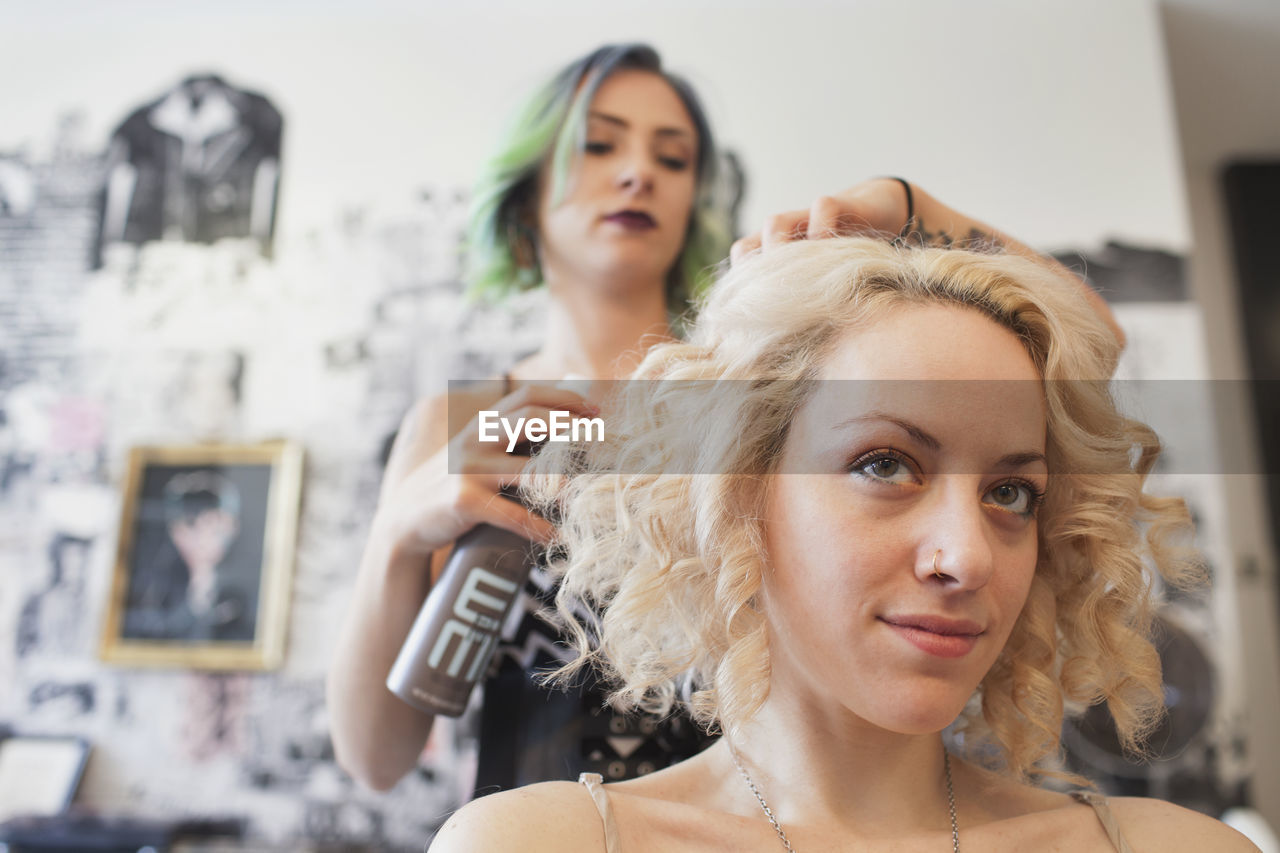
{"type": "Point", "coordinates": [204, 561]}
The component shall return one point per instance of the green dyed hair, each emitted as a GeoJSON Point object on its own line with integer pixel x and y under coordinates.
{"type": "Point", "coordinates": [502, 235]}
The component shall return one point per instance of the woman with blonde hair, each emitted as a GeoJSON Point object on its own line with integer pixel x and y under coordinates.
{"type": "Point", "coordinates": [882, 490]}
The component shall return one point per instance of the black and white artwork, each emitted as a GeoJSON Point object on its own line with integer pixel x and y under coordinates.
{"type": "Point", "coordinates": [199, 164]}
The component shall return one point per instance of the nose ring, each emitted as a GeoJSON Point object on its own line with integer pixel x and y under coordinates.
{"type": "Point", "coordinates": [937, 574]}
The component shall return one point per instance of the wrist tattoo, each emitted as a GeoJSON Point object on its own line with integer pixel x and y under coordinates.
{"type": "Point", "coordinates": [916, 233]}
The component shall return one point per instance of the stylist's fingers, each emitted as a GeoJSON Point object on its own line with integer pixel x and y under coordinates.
{"type": "Point", "coordinates": [833, 217]}
{"type": "Point", "coordinates": [513, 432]}
{"type": "Point", "coordinates": [778, 229]}
{"type": "Point", "coordinates": [477, 504]}
{"type": "Point", "coordinates": [784, 228]}
{"type": "Point", "coordinates": [491, 428]}
{"type": "Point", "coordinates": [547, 397]}
{"type": "Point", "coordinates": [877, 208]}
{"type": "Point", "coordinates": [511, 515]}
{"type": "Point", "coordinates": [495, 468]}
{"type": "Point", "coordinates": [880, 206]}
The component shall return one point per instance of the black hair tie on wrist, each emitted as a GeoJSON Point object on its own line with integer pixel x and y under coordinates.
{"type": "Point", "coordinates": [911, 205]}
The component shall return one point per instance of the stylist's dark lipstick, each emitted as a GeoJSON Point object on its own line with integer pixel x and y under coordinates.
{"type": "Point", "coordinates": [632, 220]}
{"type": "Point", "coordinates": [936, 635]}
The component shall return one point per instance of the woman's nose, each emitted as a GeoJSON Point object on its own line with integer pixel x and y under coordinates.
{"type": "Point", "coordinates": [956, 552]}
{"type": "Point", "coordinates": [636, 174]}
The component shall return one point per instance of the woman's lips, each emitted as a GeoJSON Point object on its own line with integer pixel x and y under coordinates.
{"type": "Point", "coordinates": [939, 637]}
{"type": "Point", "coordinates": [632, 220]}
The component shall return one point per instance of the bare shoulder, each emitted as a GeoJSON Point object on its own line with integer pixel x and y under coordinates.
{"type": "Point", "coordinates": [550, 817]}
{"type": "Point", "coordinates": [423, 430]}
{"type": "Point", "coordinates": [445, 413]}
{"type": "Point", "coordinates": [428, 420]}
{"type": "Point", "coordinates": [430, 423]}
{"type": "Point", "coordinates": [1159, 825]}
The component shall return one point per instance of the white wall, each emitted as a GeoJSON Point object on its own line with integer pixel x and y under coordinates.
{"type": "Point", "coordinates": [1049, 118]}
{"type": "Point", "coordinates": [1224, 63]}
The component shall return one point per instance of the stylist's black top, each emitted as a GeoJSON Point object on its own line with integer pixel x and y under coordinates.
{"type": "Point", "coordinates": [529, 733]}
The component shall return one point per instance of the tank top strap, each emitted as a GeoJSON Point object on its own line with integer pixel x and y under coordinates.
{"type": "Point", "coordinates": [601, 798]}
{"type": "Point", "coordinates": [1102, 809]}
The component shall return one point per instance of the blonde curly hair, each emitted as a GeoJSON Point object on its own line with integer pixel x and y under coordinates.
{"type": "Point", "coordinates": [660, 572]}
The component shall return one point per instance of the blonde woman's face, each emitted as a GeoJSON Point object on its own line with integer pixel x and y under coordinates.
{"type": "Point", "coordinates": [626, 211]}
{"type": "Point", "coordinates": [901, 476]}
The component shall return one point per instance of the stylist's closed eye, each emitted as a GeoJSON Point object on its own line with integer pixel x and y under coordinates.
{"type": "Point", "coordinates": [673, 162]}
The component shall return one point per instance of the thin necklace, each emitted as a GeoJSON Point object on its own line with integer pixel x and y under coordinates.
{"type": "Point", "coordinates": [777, 827]}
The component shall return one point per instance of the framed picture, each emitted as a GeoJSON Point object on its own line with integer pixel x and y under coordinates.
{"type": "Point", "coordinates": [205, 557]}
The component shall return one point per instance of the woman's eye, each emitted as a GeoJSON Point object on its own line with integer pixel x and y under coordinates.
{"type": "Point", "coordinates": [885, 468]}
{"type": "Point", "coordinates": [1019, 498]}
{"type": "Point", "coordinates": [598, 147]}
{"type": "Point", "coordinates": [675, 164]}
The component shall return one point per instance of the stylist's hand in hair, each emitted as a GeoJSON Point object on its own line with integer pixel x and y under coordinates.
{"type": "Point", "coordinates": [878, 207]}
{"type": "Point", "coordinates": [881, 207]}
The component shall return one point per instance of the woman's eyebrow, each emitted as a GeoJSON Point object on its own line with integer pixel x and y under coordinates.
{"type": "Point", "coordinates": [621, 122]}
{"type": "Point", "coordinates": [1021, 460]}
{"type": "Point", "coordinates": [1009, 460]}
{"type": "Point", "coordinates": [906, 426]}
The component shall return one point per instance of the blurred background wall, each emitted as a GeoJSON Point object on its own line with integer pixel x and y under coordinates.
{"type": "Point", "coordinates": [1222, 60]}
{"type": "Point", "coordinates": [1057, 121]}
